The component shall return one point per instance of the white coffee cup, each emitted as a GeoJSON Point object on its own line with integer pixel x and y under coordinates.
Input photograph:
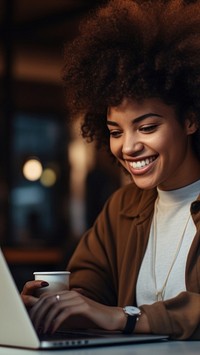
{"type": "Point", "coordinates": [57, 280]}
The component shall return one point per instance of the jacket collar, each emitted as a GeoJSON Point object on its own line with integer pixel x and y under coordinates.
{"type": "Point", "coordinates": [141, 204]}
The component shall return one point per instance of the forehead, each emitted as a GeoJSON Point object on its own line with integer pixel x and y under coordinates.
{"type": "Point", "coordinates": [134, 108]}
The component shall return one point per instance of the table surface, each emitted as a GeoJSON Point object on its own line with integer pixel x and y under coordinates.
{"type": "Point", "coordinates": [158, 348]}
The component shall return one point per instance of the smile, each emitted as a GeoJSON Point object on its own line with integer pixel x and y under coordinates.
{"type": "Point", "coordinates": [142, 163]}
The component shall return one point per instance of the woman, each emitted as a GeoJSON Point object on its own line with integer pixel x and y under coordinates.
{"type": "Point", "coordinates": [133, 73]}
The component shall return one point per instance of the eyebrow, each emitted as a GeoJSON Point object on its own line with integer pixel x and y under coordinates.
{"type": "Point", "coordinates": [137, 119]}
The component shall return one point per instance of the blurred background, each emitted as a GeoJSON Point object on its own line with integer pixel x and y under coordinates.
{"type": "Point", "coordinates": [52, 183]}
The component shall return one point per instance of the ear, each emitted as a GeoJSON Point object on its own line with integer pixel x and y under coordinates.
{"type": "Point", "coordinates": [191, 124]}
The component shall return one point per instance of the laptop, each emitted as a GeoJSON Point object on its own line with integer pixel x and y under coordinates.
{"type": "Point", "coordinates": [17, 329]}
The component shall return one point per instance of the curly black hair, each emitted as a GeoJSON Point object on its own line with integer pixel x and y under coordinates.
{"type": "Point", "coordinates": [134, 49]}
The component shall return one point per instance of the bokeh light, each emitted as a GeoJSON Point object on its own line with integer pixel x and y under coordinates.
{"type": "Point", "coordinates": [32, 169]}
{"type": "Point", "coordinates": [48, 177]}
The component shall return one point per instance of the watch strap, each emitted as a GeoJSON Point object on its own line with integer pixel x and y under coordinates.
{"type": "Point", "coordinates": [130, 324]}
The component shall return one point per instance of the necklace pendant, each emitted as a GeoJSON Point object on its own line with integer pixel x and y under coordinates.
{"type": "Point", "coordinates": [159, 296]}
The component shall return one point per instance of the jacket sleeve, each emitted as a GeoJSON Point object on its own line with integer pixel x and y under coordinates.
{"type": "Point", "coordinates": [93, 267]}
{"type": "Point", "coordinates": [178, 317]}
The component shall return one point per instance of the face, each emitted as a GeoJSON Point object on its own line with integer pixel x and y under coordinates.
{"type": "Point", "coordinates": [152, 145]}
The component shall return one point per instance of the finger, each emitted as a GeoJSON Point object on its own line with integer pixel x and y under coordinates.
{"type": "Point", "coordinates": [79, 290]}
{"type": "Point", "coordinates": [47, 308]}
{"type": "Point", "coordinates": [63, 316]}
{"type": "Point", "coordinates": [68, 295]}
{"type": "Point", "coordinates": [31, 286]}
{"type": "Point", "coordinates": [43, 305]}
{"type": "Point", "coordinates": [51, 316]}
{"type": "Point", "coordinates": [62, 306]}
{"type": "Point", "coordinates": [29, 301]}
{"type": "Point", "coordinates": [41, 308]}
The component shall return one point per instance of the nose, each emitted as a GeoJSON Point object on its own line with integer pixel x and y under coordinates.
{"type": "Point", "coordinates": [131, 146]}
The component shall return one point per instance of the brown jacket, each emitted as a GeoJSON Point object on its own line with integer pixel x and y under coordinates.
{"type": "Point", "coordinates": [108, 258]}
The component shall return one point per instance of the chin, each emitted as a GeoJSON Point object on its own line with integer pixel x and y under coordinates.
{"type": "Point", "coordinates": [144, 185]}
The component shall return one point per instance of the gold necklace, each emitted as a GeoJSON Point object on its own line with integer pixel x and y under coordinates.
{"type": "Point", "coordinates": [161, 292]}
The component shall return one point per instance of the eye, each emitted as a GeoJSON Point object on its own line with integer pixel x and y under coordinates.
{"type": "Point", "coordinates": [115, 133]}
{"type": "Point", "coordinates": [148, 128]}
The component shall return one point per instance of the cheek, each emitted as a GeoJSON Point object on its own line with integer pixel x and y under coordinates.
{"type": "Point", "coordinates": [169, 143]}
{"type": "Point", "coordinates": [171, 150]}
{"type": "Point", "coordinates": [163, 143]}
{"type": "Point", "coordinates": [115, 148]}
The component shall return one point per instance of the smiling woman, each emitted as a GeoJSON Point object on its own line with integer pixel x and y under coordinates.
{"type": "Point", "coordinates": [143, 139]}
{"type": "Point", "coordinates": [133, 74]}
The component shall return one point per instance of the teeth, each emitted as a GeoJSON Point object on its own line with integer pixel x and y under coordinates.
{"type": "Point", "coordinates": [140, 164]}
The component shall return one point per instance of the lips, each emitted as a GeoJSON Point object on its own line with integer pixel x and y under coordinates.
{"type": "Point", "coordinates": [140, 164]}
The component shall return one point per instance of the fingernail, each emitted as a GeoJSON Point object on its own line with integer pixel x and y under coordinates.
{"type": "Point", "coordinates": [44, 284]}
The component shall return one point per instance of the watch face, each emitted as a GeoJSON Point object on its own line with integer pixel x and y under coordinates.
{"type": "Point", "coordinates": [130, 310]}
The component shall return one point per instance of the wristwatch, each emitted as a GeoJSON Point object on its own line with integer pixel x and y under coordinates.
{"type": "Point", "coordinates": [133, 314]}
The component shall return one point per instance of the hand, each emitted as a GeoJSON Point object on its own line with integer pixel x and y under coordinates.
{"type": "Point", "coordinates": [49, 313]}
{"type": "Point", "coordinates": [28, 293]}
